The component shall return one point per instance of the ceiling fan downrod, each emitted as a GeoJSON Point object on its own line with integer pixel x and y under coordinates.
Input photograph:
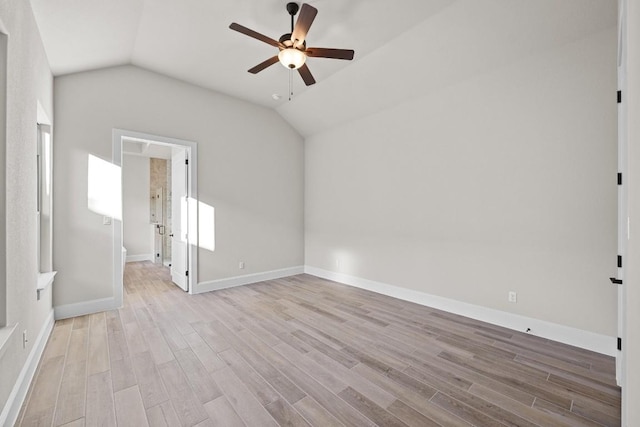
{"type": "Point", "coordinates": [292, 8]}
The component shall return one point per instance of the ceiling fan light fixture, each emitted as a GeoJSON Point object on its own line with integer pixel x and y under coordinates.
{"type": "Point", "coordinates": [292, 58]}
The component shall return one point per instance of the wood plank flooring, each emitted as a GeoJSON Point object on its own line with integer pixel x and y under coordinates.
{"type": "Point", "coordinates": [305, 351]}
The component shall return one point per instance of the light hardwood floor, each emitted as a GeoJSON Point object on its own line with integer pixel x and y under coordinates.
{"type": "Point", "coordinates": [306, 351]}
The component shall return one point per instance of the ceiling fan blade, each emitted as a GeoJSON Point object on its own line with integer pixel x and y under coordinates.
{"type": "Point", "coordinates": [321, 52]}
{"type": "Point", "coordinates": [246, 31]}
{"type": "Point", "coordinates": [261, 66]}
{"type": "Point", "coordinates": [306, 75]}
{"type": "Point", "coordinates": [305, 19]}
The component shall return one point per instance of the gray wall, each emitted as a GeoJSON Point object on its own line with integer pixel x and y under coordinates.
{"type": "Point", "coordinates": [137, 233]}
{"type": "Point", "coordinates": [504, 181]}
{"type": "Point", "coordinates": [251, 171]}
{"type": "Point", "coordinates": [29, 81]}
{"type": "Point", "coordinates": [555, 252]}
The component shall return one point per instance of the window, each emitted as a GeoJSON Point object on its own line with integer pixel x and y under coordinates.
{"type": "Point", "coordinates": [39, 185]}
{"type": "Point", "coordinates": [44, 223]}
{"type": "Point", "coordinates": [43, 199]}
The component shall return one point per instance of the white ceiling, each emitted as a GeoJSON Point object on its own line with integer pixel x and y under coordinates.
{"type": "Point", "coordinates": [191, 40]}
{"type": "Point", "coordinates": [467, 39]}
{"type": "Point", "coordinates": [403, 49]}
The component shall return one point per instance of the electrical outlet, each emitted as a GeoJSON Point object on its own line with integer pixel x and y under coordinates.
{"type": "Point", "coordinates": [513, 297]}
{"type": "Point", "coordinates": [24, 339]}
{"type": "Point", "coordinates": [241, 265]}
{"type": "Point", "coordinates": [106, 220]}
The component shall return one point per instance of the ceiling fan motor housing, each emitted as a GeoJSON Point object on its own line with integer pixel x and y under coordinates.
{"type": "Point", "coordinates": [292, 8]}
{"type": "Point", "coordinates": [285, 39]}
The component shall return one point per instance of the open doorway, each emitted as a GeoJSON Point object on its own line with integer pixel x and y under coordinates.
{"type": "Point", "coordinates": [159, 184]}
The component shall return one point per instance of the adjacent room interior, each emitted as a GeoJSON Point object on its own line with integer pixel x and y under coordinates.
{"type": "Point", "coordinates": [426, 221]}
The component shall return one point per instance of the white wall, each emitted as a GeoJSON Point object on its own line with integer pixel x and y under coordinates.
{"type": "Point", "coordinates": [505, 181]}
{"type": "Point", "coordinates": [28, 82]}
{"type": "Point", "coordinates": [250, 169]}
{"type": "Point", "coordinates": [137, 233]}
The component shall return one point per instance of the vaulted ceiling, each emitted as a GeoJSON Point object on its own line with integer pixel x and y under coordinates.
{"type": "Point", "coordinates": [403, 49]}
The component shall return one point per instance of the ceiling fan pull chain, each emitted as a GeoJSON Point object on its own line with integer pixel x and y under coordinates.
{"type": "Point", "coordinates": [290, 84]}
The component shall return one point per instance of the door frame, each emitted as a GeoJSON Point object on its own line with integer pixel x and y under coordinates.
{"type": "Point", "coordinates": [191, 147]}
{"type": "Point", "coordinates": [623, 213]}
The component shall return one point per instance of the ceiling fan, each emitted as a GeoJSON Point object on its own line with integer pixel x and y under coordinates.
{"type": "Point", "coordinates": [293, 46]}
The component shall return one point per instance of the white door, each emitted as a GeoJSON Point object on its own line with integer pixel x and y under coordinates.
{"type": "Point", "coordinates": [179, 216]}
{"type": "Point", "coordinates": [622, 188]}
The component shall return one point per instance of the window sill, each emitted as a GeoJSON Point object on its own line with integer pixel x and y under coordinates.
{"type": "Point", "coordinates": [44, 281]}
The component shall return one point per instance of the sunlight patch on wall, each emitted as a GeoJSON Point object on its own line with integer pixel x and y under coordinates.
{"type": "Point", "coordinates": [104, 189]}
{"type": "Point", "coordinates": [206, 227]}
{"type": "Point", "coordinates": [343, 261]}
{"type": "Point", "coordinates": [201, 222]}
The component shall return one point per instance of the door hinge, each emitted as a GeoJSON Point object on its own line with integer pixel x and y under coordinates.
{"type": "Point", "coordinates": [619, 344]}
{"type": "Point", "coordinates": [186, 161]}
{"type": "Point", "coordinates": [619, 261]}
{"type": "Point", "coordinates": [619, 96]}
{"type": "Point", "coordinates": [619, 178]}
{"type": "Point", "coordinates": [186, 273]}
{"type": "Point", "coordinates": [615, 281]}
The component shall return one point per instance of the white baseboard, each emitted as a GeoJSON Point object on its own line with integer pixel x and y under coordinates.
{"type": "Point", "coordinates": [86, 307]}
{"type": "Point", "coordinates": [247, 279]}
{"type": "Point", "coordinates": [137, 258]}
{"type": "Point", "coordinates": [599, 343]}
{"type": "Point", "coordinates": [11, 409]}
